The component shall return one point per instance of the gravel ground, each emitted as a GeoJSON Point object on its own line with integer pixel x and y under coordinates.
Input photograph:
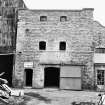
{"type": "Point", "coordinates": [59, 97]}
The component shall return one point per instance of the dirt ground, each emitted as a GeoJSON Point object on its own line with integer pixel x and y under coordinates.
{"type": "Point", "coordinates": [58, 97]}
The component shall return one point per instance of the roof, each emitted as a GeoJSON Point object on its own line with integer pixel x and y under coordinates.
{"type": "Point", "coordinates": [60, 10]}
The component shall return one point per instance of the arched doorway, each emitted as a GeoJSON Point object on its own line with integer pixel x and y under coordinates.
{"type": "Point", "coordinates": [28, 77]}
{"type": "Point", "coordinates": [51, 77]}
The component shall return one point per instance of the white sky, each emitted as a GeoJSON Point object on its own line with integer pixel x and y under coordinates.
{"type": "Point", "coordinates": [98, 5]}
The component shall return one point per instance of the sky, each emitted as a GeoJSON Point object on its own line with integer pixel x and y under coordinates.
{"type": "Point", "coordinates": [98, 5]}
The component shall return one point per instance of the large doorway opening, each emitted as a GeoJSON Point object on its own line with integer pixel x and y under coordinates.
{"type": "Point", "coordinates": [52, 77]}
{"type": "Point", "coordinates": [6, 65]}
{"type": "Point", "coordinates": [28, 77]}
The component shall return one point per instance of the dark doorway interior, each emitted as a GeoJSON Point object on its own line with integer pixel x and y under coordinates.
{"type": "Point", "coordinates": [6, 65]}
{"type": "Point", "coordinates": [52, 77]}
{"type": "Point", "coordinates": [28, 77]}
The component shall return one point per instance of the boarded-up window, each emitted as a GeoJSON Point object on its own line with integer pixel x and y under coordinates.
{"type": "Point", "coordinates": [0, 39]}
{"type": "Point", "coordinates": [42, 45]}
{"type": "Point", "coordinates": [100, 77]}
{"type": "Point", "coordinates": [62, 45]}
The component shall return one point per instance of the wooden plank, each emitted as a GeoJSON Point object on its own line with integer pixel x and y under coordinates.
{"type": "Point", "coordinates": [4, 101]}
{"type": "Point", "coordinates": [70, 71]}
{"type": "Point", "coordinates": [70, 83]}
{"type": "Point", "coordinates": [8, 12]}
{"type": "Point", "coordinates": [8, 29]}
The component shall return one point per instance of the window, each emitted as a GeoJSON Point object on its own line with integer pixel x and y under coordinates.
{"type": "Point", "coordinates": [63, 18]}
{"type": "Point", "coordinates": [100, 50]}
{"type": "Point", "coordinates": [62, 46]}
{"type": "Point", "coordinates": [100, 77]}
{"type": "Point", "coordinates": [43, 18]}
{"type": "Point", "coordinates": [27, 32]}
{"type": "Point", "coordinates": [42, 45]}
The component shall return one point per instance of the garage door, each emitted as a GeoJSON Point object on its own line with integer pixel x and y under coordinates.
{"type": "Point", "coordinates": [70, 77]}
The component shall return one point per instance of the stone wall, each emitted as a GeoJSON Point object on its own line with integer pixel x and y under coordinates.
{"type": "Point", "coordinates": [80, 33]}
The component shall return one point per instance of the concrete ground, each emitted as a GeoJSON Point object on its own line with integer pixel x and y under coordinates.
{"type": "Point", "coordinates": [58, 97]}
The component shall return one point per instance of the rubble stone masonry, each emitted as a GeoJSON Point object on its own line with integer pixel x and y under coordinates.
{"type": "Point", "coordinates": [80, 32]}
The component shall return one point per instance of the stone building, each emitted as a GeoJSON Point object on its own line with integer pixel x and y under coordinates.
{"type": "Point", "coordinates": [51, 48]}
{"type": "Point", "coordinates": [59, 48]}
{"type": "Point", "coordinates": [8, 31]}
